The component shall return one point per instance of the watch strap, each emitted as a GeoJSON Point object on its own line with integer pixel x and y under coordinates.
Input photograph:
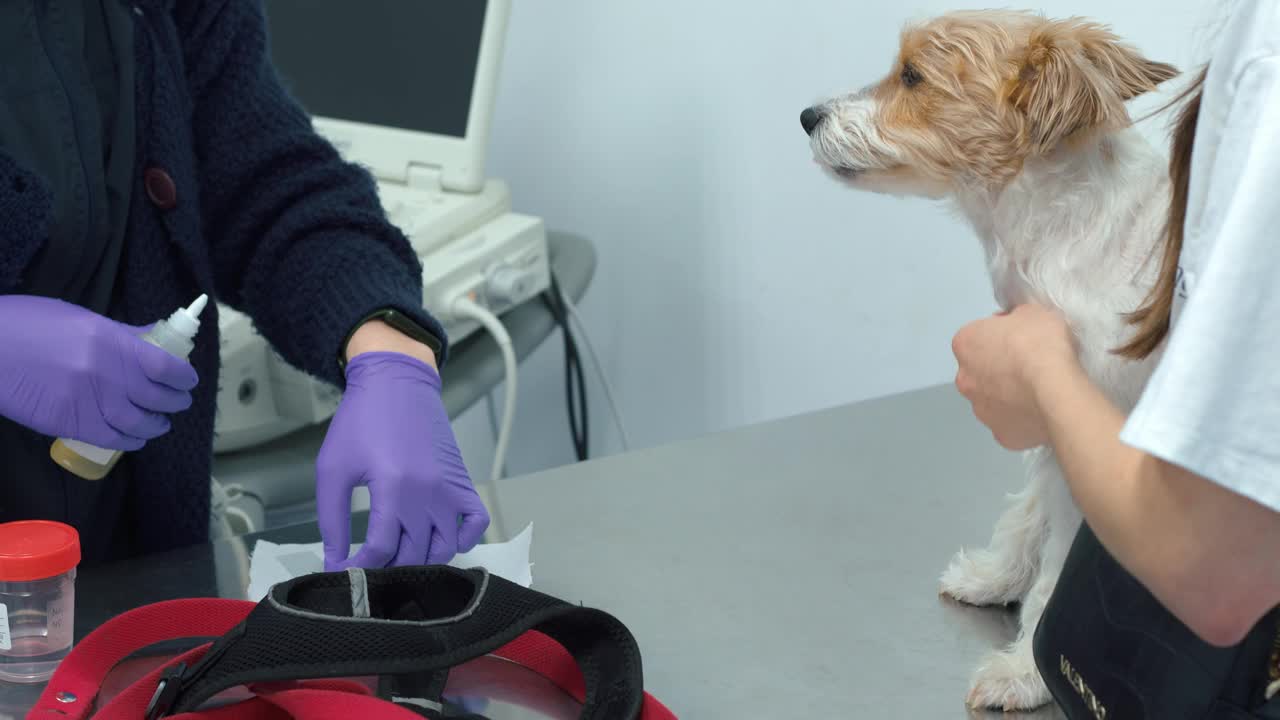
{"type": "Point", "coordinates": [399, 321]}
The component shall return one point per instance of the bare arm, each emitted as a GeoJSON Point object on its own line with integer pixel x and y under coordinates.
{"type": "Point", "coordinates": [1211, 556]}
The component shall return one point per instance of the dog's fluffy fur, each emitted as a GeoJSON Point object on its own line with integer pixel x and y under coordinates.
{"type": "Point", "coordinates": [1021, 122]}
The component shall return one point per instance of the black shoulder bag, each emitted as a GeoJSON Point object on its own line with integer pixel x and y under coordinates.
{"type": "Point", "coordinates": [1109, 650]}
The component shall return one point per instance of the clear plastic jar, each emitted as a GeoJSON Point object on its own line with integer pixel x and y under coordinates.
{"type": "Point", "coordinates": [38, 562]}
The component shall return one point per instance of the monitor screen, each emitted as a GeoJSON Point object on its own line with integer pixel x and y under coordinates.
{"type": "Point", "coordinates": [407, 64]}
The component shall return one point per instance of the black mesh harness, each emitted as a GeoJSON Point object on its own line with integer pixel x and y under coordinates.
{"type": "Point", "coordinates": [408, 626]}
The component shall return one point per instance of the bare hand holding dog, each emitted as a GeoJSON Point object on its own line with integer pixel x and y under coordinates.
{"type": "Point", "coordinates": [1004, 360]}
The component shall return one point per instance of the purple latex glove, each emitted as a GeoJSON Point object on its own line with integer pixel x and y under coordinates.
{"type": "Point", "coordinates": [68, 372]}
{"type": "Point", "coordinates": [392, 434]}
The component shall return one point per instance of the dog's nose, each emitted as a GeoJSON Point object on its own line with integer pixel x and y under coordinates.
{"type": "Point", "coordinates": [809, 120]}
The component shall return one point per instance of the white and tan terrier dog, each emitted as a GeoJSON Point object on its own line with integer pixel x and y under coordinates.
{"type": "Point", "coordinates": [1021, 122]}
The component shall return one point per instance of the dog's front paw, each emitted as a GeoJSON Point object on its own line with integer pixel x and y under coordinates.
{"type": "Point", "coordinates": [1008, 681]}
{"type": "Point", "coordinates": [976, 577]}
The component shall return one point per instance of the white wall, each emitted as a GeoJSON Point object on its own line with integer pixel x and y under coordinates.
{"type": "Point", "coordinates": [736, 284]}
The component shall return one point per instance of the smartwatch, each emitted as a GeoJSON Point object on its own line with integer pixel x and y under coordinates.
{"type": "Point", "coordinates": [399, 321]}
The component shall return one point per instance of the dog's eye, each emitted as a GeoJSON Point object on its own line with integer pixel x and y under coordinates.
{"type": "Point", "coordinates": [910, 76]}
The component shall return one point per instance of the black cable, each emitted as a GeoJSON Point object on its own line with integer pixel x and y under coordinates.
{"type": "Point", "coordinates": [554, 308]}
{"type": "Point", "coordinates": [579, 373]}
{"type": "Point", "coordinates": [573, 364]}
{"type": "Point", "coordinates": [573, 373]}
{"type": "Point", "coordinates": [583, 433]}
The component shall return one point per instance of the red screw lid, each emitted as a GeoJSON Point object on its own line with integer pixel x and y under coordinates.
{"type": "Point", "coordinates": [37, 549]}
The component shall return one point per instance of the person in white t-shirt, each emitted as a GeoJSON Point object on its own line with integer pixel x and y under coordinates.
{"type": "Point", "coordinates": [1185, 491]}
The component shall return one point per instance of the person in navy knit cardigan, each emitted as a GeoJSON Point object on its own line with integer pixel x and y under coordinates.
{"type": "Point", "coordinates": [150, 153]}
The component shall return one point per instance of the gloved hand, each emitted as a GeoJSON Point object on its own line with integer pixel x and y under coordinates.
{"type": "Point", "coordinates": [392, 434]}
{"type": "Point", "coordinates": [68, 372]}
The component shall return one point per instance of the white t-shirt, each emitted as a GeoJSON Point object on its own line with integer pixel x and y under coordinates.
{"type": "Point", "coordinates": [1213, 404]}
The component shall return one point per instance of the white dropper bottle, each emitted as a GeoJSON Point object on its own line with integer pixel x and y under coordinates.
{"type": "Point", "coordinates": [175, 336]}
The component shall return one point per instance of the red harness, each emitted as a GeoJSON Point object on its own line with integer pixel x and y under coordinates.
{"type": "Point", "coordinates": [315, 690]}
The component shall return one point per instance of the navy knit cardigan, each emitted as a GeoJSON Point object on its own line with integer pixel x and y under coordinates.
{"type": "Point", "coordinates": [234, 196]}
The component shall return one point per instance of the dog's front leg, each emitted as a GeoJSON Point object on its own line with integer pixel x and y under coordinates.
{"type": "Point", "coordinates": [1002, 572]}
{"type": "Point", "coordinates": [1009, 679]}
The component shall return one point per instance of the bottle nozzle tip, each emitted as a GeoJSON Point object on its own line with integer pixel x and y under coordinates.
{"type": "Point", "coordinates": [197, 307]}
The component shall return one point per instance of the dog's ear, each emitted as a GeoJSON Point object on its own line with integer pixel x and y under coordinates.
{"type": "Point", "coordinates": [1074, 75]}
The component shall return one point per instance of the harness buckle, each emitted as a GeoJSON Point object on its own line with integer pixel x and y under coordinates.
{"type": "Point", "coordinates": [166, 692]}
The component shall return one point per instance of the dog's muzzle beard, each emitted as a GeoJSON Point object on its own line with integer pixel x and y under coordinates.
{"type": "Point", "coordinates": [843, 139]}
{"type": "Point", "coordinates": [832, 151]}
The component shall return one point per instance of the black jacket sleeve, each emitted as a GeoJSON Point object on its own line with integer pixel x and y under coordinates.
{"type": "Point", "coordinates": [299, 239]}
